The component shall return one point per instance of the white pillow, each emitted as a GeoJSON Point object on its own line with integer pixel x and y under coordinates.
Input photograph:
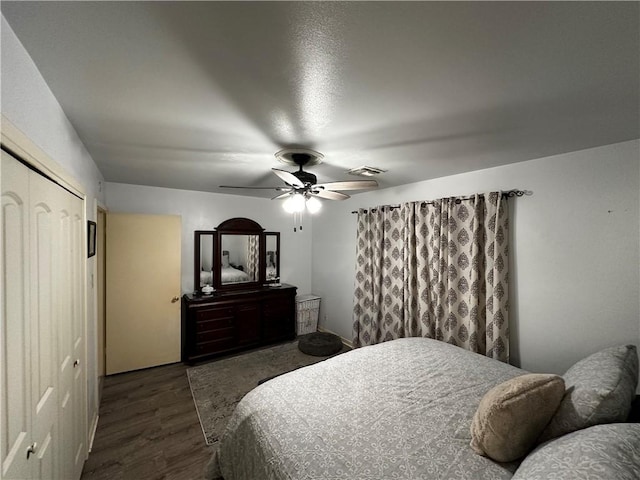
{"type": "Point", "coordinates": [609, 451]}
{"type": "Point", "coordinates": [600, 389]}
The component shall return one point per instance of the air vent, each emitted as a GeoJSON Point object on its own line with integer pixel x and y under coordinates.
{"type": "Point", "coordinates": [365, 171]}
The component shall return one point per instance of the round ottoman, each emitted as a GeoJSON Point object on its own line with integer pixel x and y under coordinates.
{"type": "Point", "coordinates": [320, 344]}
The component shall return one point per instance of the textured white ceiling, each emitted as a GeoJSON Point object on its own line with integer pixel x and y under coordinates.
{"type": "Point", "coordinates": [193, 95]}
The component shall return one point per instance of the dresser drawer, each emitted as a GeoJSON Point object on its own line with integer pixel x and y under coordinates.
{"type": "Point", "coordinates": [214, 346]}
{"type": "Point", "coordinates": [213, 313]}
{"type": "Point", "coordinates": [215, 335]}
{"type": "Point", "coordinates": [214, 324]}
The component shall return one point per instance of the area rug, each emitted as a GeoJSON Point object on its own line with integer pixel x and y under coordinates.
{"type": "Point", "coordinates": [218, 386]}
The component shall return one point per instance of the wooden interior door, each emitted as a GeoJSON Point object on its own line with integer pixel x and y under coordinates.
{"type": "Point", "coordinates": [142, 291]}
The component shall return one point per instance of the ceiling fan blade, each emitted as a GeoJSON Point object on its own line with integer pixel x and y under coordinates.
{"type": "Point", "coordinates": [330, 195]}
{"type": "Point", "coordinates": [348, 185]}
{"type": "Point", "coordinates": [255, 188]}
{"type": "Point", "coordinates": [288, 178]}
{"type": "Point", "coordinates": [282, 195]}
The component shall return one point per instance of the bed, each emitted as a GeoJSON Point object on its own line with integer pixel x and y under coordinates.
{"type": "Point", "coordinates": [206, 277]}
{"type": "Point", "coordinates": [228, 274]}
{"type": "Point", "coordinates": [397, 410]}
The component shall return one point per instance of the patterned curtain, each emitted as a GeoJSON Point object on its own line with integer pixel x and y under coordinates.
{"type": "Point", "coordinates": [252, 257]}
{"type": "Point", "coordinates": [436, 269]}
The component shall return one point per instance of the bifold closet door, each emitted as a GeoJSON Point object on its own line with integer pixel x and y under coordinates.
{"type": "Point", "coordinates": [44, 411]}
{"type": "Point", "coordinates": [15, 360]}
{"type": "Point", "coordinates": [143, 291]}
{"type": "Point", "coordinates": [66, 292]}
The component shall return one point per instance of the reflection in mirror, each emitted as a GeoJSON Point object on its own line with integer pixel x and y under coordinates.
{"type": "Point", "coordinates": [206, 260]}
{"type": "Point", "coordinates": [240, 258]}
{"type": "Point", "coordinates": [272, 260]}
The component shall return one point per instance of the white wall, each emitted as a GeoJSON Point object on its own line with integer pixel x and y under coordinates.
{"type": "Point", "coordinates": [205, 211]}
{"type": "Point", "coordinates": [574, 252]}
{"type": "Point", "coordinates": [29, 104]}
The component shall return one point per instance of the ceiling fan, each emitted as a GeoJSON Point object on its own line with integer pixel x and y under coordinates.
{"type": "Point", "coordinates": [303, 185]}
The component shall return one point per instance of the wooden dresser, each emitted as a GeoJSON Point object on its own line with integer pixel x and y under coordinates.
{"type": "Point", "coordinates": [234, 320]}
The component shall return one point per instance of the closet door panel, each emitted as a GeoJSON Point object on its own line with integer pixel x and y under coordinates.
{"type": "Point", "coordinates": [44, 252]}
{"type": "Point", "coordinates": [78, 254]}
{"type": "Point", "coordinates": [70, 332]}
{"type": "Point", "coordinates": [15, 416]}
{"type": "Point", "coordinates": [64, 271]}
{"type": "Point", "coordinates": [47, 460]}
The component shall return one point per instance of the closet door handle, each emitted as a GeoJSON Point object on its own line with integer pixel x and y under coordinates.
{"type": "Point", "coordinates": [31, 449]}
{"type": "Point", "coordinates": [175, 299]}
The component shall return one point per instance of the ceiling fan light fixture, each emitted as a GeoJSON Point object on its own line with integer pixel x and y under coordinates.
{"type": "Point", "coordinates": [294, 204]}
{"type": "Point", "coordinates": [313, 205]}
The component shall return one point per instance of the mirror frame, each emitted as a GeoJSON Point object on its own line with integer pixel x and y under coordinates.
{"type": "Point", "coordinates": [197, 260]}
{"type": "Point", "coordinates": [277, 236]}
{"type": "Point", "coordinates": [234, 226]}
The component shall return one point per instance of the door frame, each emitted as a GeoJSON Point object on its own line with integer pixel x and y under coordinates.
{"type": "Point", "coordinates": [101, 257]}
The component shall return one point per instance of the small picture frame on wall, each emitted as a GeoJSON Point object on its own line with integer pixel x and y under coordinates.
{"type": "Point", "coordinates": [91, 238]}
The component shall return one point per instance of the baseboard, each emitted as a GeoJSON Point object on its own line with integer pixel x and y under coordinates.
{"type": "Point", "coordinates": [344, 340]}
{"type": "Point", "coordinates": [94, 428]}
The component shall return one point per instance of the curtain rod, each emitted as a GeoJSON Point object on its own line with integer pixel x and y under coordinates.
{"type": "Point", "coordinates": [507, 193]}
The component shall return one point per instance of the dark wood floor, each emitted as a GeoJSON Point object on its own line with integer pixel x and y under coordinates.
{"type": "Point", "coordinates": [148, 429]}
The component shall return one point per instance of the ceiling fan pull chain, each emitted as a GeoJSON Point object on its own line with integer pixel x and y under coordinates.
{"type": "Point", "coordinates": [297, 221]}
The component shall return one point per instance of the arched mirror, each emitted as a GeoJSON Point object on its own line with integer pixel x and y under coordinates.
{"type": "Point", "coordinates": [237, 254]}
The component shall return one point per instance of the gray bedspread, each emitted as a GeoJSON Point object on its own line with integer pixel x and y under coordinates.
{"type": "Point", "coordinates": [397, 410]}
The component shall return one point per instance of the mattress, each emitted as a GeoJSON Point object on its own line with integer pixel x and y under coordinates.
{"type": "Point", "coordinates": [397, 410]}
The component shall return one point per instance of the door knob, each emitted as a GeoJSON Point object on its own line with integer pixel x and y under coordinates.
{"type": "Point", "coordinates": [31, 449]}
{"type": "Point", "coordinates": [175, 299]}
